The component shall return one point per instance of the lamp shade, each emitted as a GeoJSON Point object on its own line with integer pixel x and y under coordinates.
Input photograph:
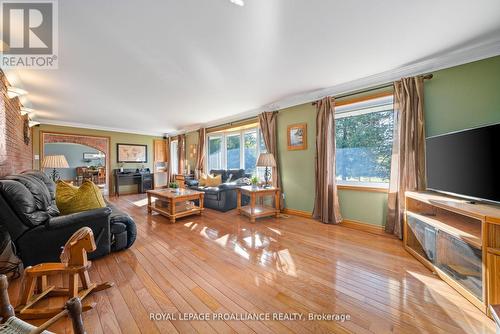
{"type": "Point", "coordinates": [266, 160]}
{"type": "Point", "coordinates": [55, 161]}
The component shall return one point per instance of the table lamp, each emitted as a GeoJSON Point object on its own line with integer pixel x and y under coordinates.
{"type": "Point", "coordinates": [266, 160]}
{"type": "Point", "coordinates": [55, 161]}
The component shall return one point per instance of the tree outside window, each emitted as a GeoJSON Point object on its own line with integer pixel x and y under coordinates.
{"type": "Point", "coordinates": [364, 146]}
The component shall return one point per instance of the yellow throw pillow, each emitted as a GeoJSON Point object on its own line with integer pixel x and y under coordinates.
{"type": "Point", "coordinates": [213, 181]}
{"type": "Point", "coordinates": [71, 199]}
{"type": "Point", "coordinates": [203, 180]}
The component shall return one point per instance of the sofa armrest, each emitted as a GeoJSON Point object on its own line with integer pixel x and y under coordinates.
{"type": "Point", "coordinates": [192, 183]}
{"type": "Point", "coordinates": [44, 242]}
{"type": "Point", "coordinates": [86, 218]}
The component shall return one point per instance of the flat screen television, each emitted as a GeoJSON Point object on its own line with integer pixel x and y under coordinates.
{"type": "Point", "coordinates": [466, 163]}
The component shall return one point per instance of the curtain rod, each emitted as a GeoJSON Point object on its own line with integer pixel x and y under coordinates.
{"type": "Point", "coordinates": [233, 123]}
{"type": "Point", "coordinates": [425, 77]}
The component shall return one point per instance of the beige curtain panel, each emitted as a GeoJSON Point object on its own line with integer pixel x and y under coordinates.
{"type": "Point", "coordinates": [408, 153]}
{"type": "Point", "coordinates": [200, 157]}
{"type": "Point", "coordinates": [268, 127]}
{"type": "Point", "coordinates": [326, 201]}
{"type": "Point", "coordinates": [181, 153]}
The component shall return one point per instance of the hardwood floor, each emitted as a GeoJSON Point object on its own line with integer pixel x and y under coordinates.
{"type": "Point", "coordinates": [222, 263]}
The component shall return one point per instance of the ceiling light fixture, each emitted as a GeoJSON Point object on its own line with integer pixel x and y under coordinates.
{"type": "Point", "coordinates": [27, 111]}
{"type": "Point", "coordinates": [240, 3]}
{"type": "Point", "coordinates": [13, 92]}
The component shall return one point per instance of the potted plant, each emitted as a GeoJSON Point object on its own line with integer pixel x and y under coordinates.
{"type": "Point", "coordinates": [255, 181]}
{"type": "Point", "coordinates": [174, 186]}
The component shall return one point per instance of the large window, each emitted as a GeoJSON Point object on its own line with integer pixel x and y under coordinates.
{"type": "Point", "coordinates": [173, 157]}
{"type": "Point", "coordinates": [235, 149]}
{"type": "Point", "coordinates": [364, 135]}
{"type": "Point", "coordinates": [250, 150]}
{"type": "Point", "coordinates": [215, 152]}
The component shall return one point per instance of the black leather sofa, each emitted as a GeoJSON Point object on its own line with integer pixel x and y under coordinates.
{"type": "Point", "coordinates": [223, 197]}
{"type": "Point", "coordinates": [28, 212]}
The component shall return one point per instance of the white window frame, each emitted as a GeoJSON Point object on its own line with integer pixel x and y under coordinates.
{"type": "Point", "coordinates": [224, 135]}
{"type": "Point", "coordinates": [360, 108]}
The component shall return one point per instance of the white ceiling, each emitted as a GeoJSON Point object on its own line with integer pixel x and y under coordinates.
{"type": "Point", "coordinates": [165, 65]}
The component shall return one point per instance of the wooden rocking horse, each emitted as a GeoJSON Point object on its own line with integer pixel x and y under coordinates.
{"type": "Point", "coordinates": [74, 264]}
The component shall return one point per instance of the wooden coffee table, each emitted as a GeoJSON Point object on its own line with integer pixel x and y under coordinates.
{"type": "Point", "coordinates": [255, 211]}
{"type": "Point", "coordinates": [166, 200]}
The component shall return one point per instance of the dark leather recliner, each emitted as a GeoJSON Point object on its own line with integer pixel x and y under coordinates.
{"type": "Point", "coordinates": [29, 213]}
{"type": "Point", "coordinates": [223, 197]}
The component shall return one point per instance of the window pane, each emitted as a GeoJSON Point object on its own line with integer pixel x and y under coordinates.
{"type": "Point", "coordinates": [174, 157]}
{"type": "Point", "coordinates": [214, 153]}
{"type": "Point", "coordinates": [250, 151]}
{"type": "Point", "coordinates": [364, 147]}
{"type": "Point", "coordinates": [233, 151]}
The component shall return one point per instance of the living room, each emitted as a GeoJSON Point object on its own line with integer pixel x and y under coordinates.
{"type": "Point", "coordinates": [250, 166]}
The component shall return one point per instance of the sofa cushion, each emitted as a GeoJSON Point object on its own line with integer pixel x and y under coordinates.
{"type": "Point", "coordinates": [22, 201]}
{"type": "Point", "coordinates": [51, 186]}
{"type": "Point", "coordinates": [37, 189]}
{"type": "Point", "coordinates": [234, 174]}
{"type": "Point", "coordinates": [221, 172]}
{"type": "Point", "coordinates": [71, 199]}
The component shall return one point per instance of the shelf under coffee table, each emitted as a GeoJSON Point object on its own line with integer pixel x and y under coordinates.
{"type": "Point", "coordinates": [167, 200]}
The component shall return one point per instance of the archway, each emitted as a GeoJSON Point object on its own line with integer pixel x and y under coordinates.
{"type": "Point", "coordinates": [99, 143]}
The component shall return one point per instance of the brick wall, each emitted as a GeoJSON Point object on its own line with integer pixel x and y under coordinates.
{"type": "Point", "coordinates": [15, 155]}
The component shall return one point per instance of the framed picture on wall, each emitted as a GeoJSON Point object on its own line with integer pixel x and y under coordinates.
{"type": "Point", "coordinates": [131, 153]}
{"type": "Point", "coordinates": [297, 136]}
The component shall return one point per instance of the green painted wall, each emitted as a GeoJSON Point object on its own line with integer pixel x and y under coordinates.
{"type": "Point", "coordinates": [456, 98]}
{"type": "Point", "coordinates": [463, 97]}
{"type": "Point", "coordinates": [116, 137]}
{"type": "Point", "coordinates": [363, 206]}
{"type": "Point", "coordinates": [297, 167]}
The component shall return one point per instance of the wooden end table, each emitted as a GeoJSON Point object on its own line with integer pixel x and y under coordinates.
{"type": "Point", "coordinates": [256, 211]}
{"type": "Point", "coordinates": [171, 197]}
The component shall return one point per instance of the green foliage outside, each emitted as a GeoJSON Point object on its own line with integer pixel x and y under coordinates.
{"type": "Point", "coordinates": [364, 147]}
{"type": "Point", "coordinates": [233, 150]}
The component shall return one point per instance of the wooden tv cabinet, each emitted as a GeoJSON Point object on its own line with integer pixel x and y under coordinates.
{"type": "Point", "coordinates": [459, 241]}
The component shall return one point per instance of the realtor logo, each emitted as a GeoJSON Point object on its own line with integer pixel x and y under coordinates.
{"type": "Point", "coordinates": [29, 34]}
